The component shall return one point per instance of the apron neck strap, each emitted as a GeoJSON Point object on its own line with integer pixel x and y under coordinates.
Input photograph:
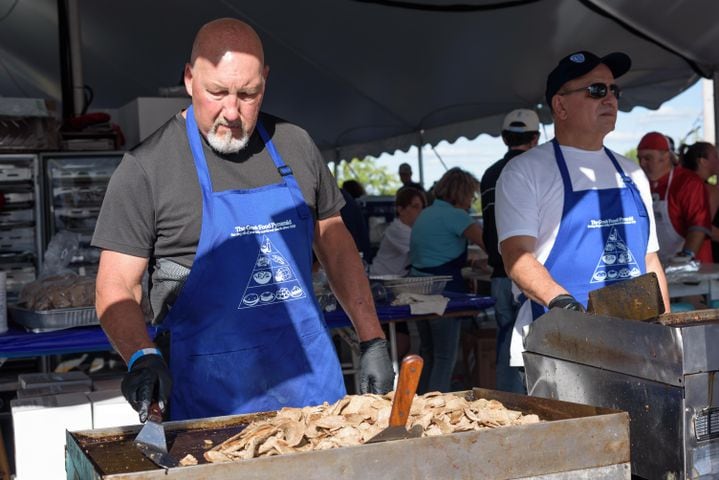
{"type": "Point", "coordinates": [283, 169]}
{"type": "Point", "coordinates": [285, 172]}
{"type": "Point", "coordinates": [198, 156]}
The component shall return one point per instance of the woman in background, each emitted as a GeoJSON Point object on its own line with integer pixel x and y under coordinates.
{"type": "Point", "coordinates": [438, 246]}
{"type": "Point", "coordinates": [393, 255]}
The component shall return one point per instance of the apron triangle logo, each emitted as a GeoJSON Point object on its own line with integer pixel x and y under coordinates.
{"type": "Point", "coordinates": [272, 279]}
{"type": "Point", "coordinates": [616, 261]}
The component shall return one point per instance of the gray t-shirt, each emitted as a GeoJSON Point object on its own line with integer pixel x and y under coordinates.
{"type": "Point", "coordinates": [153, 205]}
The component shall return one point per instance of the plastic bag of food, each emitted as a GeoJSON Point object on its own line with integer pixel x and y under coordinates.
{"type": "Point", "coordinates": [60, 252]}
{"type": "Point", "coordinates": [57, 285]}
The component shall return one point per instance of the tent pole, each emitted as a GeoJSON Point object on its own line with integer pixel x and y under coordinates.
{"type": "Point", "coordinates": [65, 60]}
{"type": "Point", "coordinates": [715, 79]}
{"type": "Point", "coordinates": [73, 94]}
{"type": "Point", "coordinates": [420, 160]}
{"type": "Point", "coordinates": [78, 85]}
{"type": "Point", "coordinates": [708, 96]}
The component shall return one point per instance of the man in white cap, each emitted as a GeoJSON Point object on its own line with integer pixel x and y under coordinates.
{"type": "Point", "coordinates": [520, 132]}
{"type": "Point", "coordinates": [573, 216]}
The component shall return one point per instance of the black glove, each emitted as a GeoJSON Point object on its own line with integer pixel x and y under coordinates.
{"type": "Point", "coordinates": [376, 374]}
{"type": "Point", "coordinates": [148, 380]}
{"type": "Point", "coordinates": [567, 302]}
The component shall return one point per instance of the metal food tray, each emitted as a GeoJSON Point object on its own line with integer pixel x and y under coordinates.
{"type": "Point", "coordinates": [574, 441]}
{"type": "Point", "coordinates": [12, 173]}
{"type": "Point", "coordinates": [79, 196]}
{"type": "Point", "coordinates": [15, 198]}
{"type": "Point", "coordinates": [39, 321]}
{"type": "Point", "coordinates": [17, 217]}
{"type": "Point", "coordinates": [428, 285]}
{"type": "Point", "coordinates": [18, 240]}
{"type": "Point", "coordinates": [84, 174]}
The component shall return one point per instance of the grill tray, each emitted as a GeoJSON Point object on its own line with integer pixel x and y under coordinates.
{"type": "Point", "coordinates": [559, 444]}
{"type": "Point", "coordinates": [429, 285]}
{"type": "Point", "coordinates": [39, 321]}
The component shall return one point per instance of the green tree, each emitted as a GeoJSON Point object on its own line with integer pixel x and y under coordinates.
{"type": "Point", "coordinates": [632, 155]}
{"type": "Point", "coordinates": [375, 179]}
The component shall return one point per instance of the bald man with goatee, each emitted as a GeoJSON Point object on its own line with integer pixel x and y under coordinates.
{"type": "Point", "coordinates": [224, 205]}
{"type": "Point", "coordinates": [573, 216]}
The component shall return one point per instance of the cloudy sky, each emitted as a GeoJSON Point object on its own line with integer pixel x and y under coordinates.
{"type": "Point", "coordinates": [676, 118]}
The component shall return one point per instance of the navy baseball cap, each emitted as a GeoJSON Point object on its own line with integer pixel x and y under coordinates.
{"type": "Point", "coordinates": [580, 63]}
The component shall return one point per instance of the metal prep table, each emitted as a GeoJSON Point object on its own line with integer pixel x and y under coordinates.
{"type": "Point", "coordinates": [575, 442]}
{"type": "Point", "coordinates": [663, 374]}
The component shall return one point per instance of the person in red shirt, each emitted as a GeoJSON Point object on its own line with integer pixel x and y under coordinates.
{"type": "Point", "coordinates": [681, 203]}
{"type": "Point", "coordinates": [702, 158]}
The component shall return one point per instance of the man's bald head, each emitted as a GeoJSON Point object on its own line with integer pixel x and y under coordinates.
{"type": "Point", "coordinates": [226, 80]}
{"type": "Point", "coordinates": [219, 36]}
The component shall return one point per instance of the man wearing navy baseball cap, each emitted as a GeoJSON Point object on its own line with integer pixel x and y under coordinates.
{"type": "Point", "coordinates": [573, 216]}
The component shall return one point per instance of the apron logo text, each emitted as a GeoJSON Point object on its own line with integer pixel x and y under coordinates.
{"type": "Point", "coordinates": [611, 222]}
{"type": "Point", "coordinates": [242, 230]}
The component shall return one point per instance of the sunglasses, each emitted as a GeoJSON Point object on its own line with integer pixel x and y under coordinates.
{"type": "Point", "coordinates": [597, 90]}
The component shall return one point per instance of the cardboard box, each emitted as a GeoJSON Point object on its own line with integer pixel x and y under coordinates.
{"type": "Point", "coordinates": [53, 389]}
{"type": "Point", "coordinates": [108, 383]}
{"type": "Point", "coordinates": [143, 115]}
{"type": "Point", "coordinates": [110, 409]}
{"type": "Point", "coordinates": [39, 380]}
{"type": "Point", "coordinates": [39, 425]}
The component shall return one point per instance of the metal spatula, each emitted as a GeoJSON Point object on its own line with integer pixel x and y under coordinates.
{"type": "Point", "coordinates": [151, 439]}
{"type": "Point", "coordinates": [409, 374]}
{"type": "Point", "coordinates": [637, 298]}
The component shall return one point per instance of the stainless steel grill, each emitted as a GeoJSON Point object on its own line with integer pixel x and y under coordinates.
{"type": "Point", "coordinates": [573, 442]}
{"type": "Point", "coordinates": [662, 373]}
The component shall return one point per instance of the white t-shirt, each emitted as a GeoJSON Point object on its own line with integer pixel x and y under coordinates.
{"type": "Point", "coordinates": [530, 198]}
{"type": "Point", "coordinates": [393, 255]}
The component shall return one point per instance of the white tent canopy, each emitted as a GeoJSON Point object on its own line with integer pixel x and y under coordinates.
{"type": "Point", "coordinates": [372, 76]}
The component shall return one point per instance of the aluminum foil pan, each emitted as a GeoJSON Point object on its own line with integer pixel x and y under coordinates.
{"type": "Point", "coordinates": [50, 320]}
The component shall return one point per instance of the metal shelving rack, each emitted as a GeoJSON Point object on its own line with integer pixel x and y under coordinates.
{"type": "Point", "coordinates": [74, 187]}
{"type": "Point", "coordinates": [20, 220]}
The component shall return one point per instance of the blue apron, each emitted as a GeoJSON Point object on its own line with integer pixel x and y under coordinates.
{"type": "Point", "coordinates": [453, 268]}
{"type": "Point", "coordinates": [246, 333]}
{"type": "Point", "coordinates": [602, 236]}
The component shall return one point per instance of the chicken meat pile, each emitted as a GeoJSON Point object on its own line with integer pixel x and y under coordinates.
{"type": "Point", "coordinates": [355, 419]}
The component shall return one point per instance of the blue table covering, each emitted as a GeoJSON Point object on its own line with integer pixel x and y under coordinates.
{"type": "Point", "coordinates": [18, 343]}
{"type": "Point", "coordinates": [389, 313]}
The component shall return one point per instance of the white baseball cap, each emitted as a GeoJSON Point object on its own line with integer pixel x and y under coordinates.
{"type": "Point", "coordinates": [520, 121]}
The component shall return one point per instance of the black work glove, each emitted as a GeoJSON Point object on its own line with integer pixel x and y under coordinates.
{"type": "Point", "coordinates": [149, 380]}
{"type": "Point", "coordinates": [567, 302]}
{"type": "Point", "coordinates": [376, 374]}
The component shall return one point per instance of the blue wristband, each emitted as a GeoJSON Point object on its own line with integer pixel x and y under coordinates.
{"type": "Point", "coordinates": [141, 353]}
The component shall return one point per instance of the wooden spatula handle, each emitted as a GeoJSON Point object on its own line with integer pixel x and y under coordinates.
{"type": "Point", "coordinates": [154, 413]}
{"type": "Point", "coordinates": [409, 373]}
